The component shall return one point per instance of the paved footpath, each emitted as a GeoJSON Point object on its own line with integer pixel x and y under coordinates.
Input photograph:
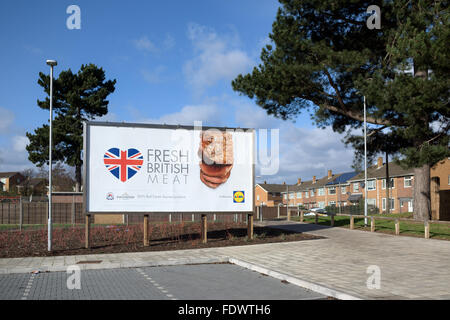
{"type": "Point", "coordinates": [410, 268]}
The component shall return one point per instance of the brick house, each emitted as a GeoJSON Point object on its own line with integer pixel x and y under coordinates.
{"type": "Point", "coordinates": [401, 187]}
{"type": "Point", "coordinates": [268, 194]}
{"type": "Point", "coordinates": [440, 190]}
{"type": "Point", "coordinates": [10, 181]}
{"type": "Point", "coordinates": [327, 191]}
{"type": "Point", "coordinates": [441, 170]}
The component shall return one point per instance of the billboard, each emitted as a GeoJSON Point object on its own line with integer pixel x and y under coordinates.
{"type": "Point", "coordinates": [164, 168]}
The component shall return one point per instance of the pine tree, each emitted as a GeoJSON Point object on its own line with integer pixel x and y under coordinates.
{"type": "Point", "coordinates": [76, 98]}
{"type": "Point", "coordinates": [323, 58]}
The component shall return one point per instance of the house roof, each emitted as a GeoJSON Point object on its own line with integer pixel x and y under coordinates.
{"type": "Point", "coordinates": [8, 174]}
{"type": "Point", "coordinates": [34, 182]}
{"type": "Point", "coordinates": [374, 172]}
{"type": "Point", "coordinates": [271, 187]}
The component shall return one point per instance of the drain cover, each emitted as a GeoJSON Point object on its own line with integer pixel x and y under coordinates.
{"type": "Point", "coordinates": [89, 261]}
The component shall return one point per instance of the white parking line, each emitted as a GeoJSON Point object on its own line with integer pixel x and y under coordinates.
{"type": "Point", "coordinates": [154, 283]}
{"type": "Point", "coordinates": [28, 288]}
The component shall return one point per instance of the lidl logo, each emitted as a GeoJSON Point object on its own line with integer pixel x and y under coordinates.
{"type": "Point", "coordinates": [238, 196]}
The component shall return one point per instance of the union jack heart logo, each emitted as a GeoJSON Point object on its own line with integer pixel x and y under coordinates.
{"type": "Point", "coordinates": [123, 164]}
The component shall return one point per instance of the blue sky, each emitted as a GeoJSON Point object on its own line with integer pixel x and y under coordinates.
{"type": "Point", "coordinates": [173, 61]}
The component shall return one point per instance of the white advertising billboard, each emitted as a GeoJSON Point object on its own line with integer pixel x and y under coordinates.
{"type": "Point", "coordinates": [162, 168]}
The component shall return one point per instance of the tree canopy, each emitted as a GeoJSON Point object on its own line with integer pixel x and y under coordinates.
{"type": "Point", "coordinates": [77, 97]}
{"type": "Point", "coordinates": [323, 59]}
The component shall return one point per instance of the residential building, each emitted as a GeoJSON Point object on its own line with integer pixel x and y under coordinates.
{"type": "Point", "coordinates": [401, 187]}
{"type": "Point", "coordinates": [327, 191]}
{"type": "Point", "coordinates": [10, 181]}
{"type": "Point", "coordinates": [268, 194]}
{"type": "Point", "coordinates": [441, 170]}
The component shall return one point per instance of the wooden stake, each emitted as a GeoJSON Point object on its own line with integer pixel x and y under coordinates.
{"type": "Point", "coordinates": [88, 231]}
{"type": "Point", "coordinates": [250, 226]}
{"type": "Point", "coordinates": [352, 223]}
{"type": "Point", "coordinates": [289, 215]}
{"type": "Point", "coordinates": [397, 227]}
{"type": "Point", "coordinates": [204, 229]}
{"type": "Point", "coordinates": [146, 238]}
{"type": "Point", "coordinates": [301, 215]}
{"type": "Point", "coordinates": [316, 219]}
{"type": "Point", "coordinates": [427, 230]}
{"type": "Point", "coordinates": [372, 224]}
{"type": "Point", "coordinates": [332, 220]}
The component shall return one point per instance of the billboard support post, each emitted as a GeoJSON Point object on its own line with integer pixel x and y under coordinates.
{"type": "Point", "coordinates": [250, 226]}
{"type": "Point", "coordinates": [146, 238]}
{"type": "Point", "coordinates": [87, 230]}
{"type": "Point", "coordinates": [204, 229]}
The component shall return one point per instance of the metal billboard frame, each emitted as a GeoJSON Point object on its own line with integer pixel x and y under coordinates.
{"type": "Point", "coordinates": [85, 176]}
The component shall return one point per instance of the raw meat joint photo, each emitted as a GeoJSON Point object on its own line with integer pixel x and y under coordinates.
{"type": "Point", "coordinates": [216, 153]}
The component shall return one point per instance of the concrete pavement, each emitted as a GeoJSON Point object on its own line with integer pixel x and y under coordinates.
{"type": "Point", "coordinates": [410, 268]}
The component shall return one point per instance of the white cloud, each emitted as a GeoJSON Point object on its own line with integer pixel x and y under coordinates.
{"type": "Point", "coordinates": [169, 42]}
{"type": "Point", "coordinates": [145, 44]}
{"type": "Point", "coordinates": [19, 143]}
{"type": "Point", "coordinates": [154, 76]}
{"type": "Point", "coordinates": [217, 58]}
{"type": "Point", "coordinates": [209, 114]}
{"type": "Point", "coordinates": [6, 119]}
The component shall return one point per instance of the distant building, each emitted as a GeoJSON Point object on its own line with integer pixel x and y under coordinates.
{"type": "Point", "coordinates": [401, 186]}
{"type": "Point", "coordinates": [331, 190]}
{"type": "Point", "coordinates": [10, 181]}
{"type": "Point", "coordinates": [268, 194]}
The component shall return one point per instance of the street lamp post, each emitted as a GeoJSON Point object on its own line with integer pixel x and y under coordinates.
{"type": "Point", "coordinates": [365, 164]}
{"type": "Point", "coordinates": [51, 63]}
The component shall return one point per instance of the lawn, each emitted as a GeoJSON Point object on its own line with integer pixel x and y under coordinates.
{"type": "Point", "coordinates": [407, 228]}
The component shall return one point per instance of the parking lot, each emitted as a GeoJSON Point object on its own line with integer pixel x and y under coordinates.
{"type": "Point", "coordinates": [193, 282]}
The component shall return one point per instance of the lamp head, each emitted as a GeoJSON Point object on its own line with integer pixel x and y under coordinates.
{"type": "Point", "coordinates": [52, 63]}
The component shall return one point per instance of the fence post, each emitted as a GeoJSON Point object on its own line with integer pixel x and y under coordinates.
{"type": "Point", "coordinates": [301, 215]}
{"type": "Point", "coordinates": [332, 220]}
{"type": "Point", "coordinates": [316, 218]}
{"type": "Point", "coordinates": [250, 226]}
{"type": "Point", "coordinates": [193, 218]}
{"type": "Point", "coordinates": [204, 229]}
{"type": "Point", "coordinates": [170, 218]}
{"type": "Point", "coordinates": [278, 212]}
{"type": "Point", "coordinates": [427, 229]}
{"type": "Point", "coordinates": [20, 214]}
{"type": "Point", "coordinates": [261, 214]}
{"type": "Point", "coordinates": [214, 217]}
{"type": "Point", "coordinates": [73, 213]}
{"type": "Point", "coordinates": [289, 215]}
{"type": "Point", "coordinates": [87, 230]}
{"type": "Point", "coordinates": [352, 222]}
{"type": "Point", "coordinates": [397, 227]}
{"type": "Point", "coordinates": [372, 224]}
{"type": "Point", "coordinates": [146, 241]}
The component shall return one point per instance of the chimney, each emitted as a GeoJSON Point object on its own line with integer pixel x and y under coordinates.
{"type": "Point", "coordinates": [314, 179]}
{"type": "Point", "coordinates": [379, 162]}
{"type": "Point", "coordinates": [330, 174]}
{"type": "Point", "coordinates": [284, 182]}
{"type": "Point", "coordinates": [299, 181]}
{"type": "Point", "coordinates": [265, 182]}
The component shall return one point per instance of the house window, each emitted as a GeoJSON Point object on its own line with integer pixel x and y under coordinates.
{"type": "Point", "coordinates": [355, 187]}
{"type": "Point", "coordinates": [391, 184]}
{"type": "Point", "coordinates": [257, 197]}
{"type": "Point", "coordinates": [332, 203]}
{"type": "Point", "coordinates": [306, 194]}
{"type": "Point", "coordinates": [391, 204]}
{"type": "Point", "coordinates": [321, 192]}
{"type": "Point", "coordinates": [299, 195]}
{"type": "Point", "coordinates": [321, 204]}
{"type": "Point", "coordinates": [291, 195]}
{"type": "Point", "coordinates": [343, 190]}
{"type": "Point", "coordinates": [332, 190]}
{"type": "Point", "coordinates": [284, 196]}
{"type": "Point", "coordinates": [371, 185]}
{"type": "Point", "coordinates": [408, 182]}
{"type": "Point", "coordinates": [312, 192]}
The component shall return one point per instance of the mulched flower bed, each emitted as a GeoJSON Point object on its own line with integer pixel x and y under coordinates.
{"type": "Point", "coordinates": [116, 239]}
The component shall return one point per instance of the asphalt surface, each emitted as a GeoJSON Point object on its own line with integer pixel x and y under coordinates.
{"type": "Point", "coordinates": [184, 282]}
